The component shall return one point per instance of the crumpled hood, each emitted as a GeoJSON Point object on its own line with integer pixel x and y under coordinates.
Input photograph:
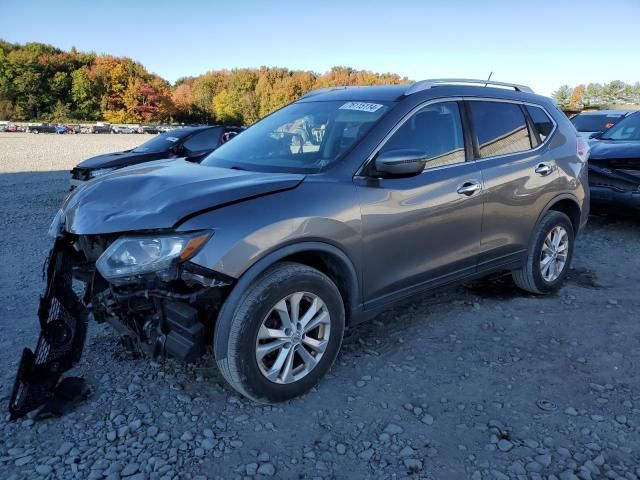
{"type": "Point", "coordinates": [604, 149]}
{"type": "Point", "coordinates": [120, 159]}
{"type": "Point", "coordinates": [159, 194]}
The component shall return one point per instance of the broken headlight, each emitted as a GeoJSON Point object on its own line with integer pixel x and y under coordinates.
{"type": "Point", "coordinates": [139, 255]}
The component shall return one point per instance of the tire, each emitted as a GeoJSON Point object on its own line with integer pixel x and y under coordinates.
{"type": "Point", "coordinates": [531, 277]}
{"type": "Point", "coordinates": [241, 367]}
{"type": "Point", "coordinates": [35, 131]}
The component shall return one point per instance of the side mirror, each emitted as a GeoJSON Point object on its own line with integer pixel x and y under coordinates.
{"type": "Point", "coordinates": [400, 163]}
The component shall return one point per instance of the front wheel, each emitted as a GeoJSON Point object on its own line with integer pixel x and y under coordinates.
{"type": "Point", "coordinates": [285, 334]}
{"type": "Point", "coordinates": [549, 255]}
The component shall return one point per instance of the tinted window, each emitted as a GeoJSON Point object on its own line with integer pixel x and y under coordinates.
{"type": "Point", "coordinates": [435, 130]}
{"type": "Point", "coordinates": [500, 127]}
{"type": "Point", "coordinates": [595, 122]}
{"type": "Point", "coordinates": [207, 140]}
{"type": "Point", "coordinates": [161, 143]}
{"type": "Point", "coordinates": [541, 121]}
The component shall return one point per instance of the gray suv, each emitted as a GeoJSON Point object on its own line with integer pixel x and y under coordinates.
{"type": "Point", "coordinates": [316, 218]}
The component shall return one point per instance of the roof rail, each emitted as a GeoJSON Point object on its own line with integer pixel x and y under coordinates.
{"type": "Point", "coordinates": [427, 84]}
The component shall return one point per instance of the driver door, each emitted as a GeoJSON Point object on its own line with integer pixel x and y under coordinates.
{"type": "Point", "coordinates": [422, 231]}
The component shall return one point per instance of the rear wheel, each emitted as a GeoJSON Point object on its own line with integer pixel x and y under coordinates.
{"type": "Point", "coordinates": [549, 255]}
{"type": "Point", "coordinates": [285, 334]}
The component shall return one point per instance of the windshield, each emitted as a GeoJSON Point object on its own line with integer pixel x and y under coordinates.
{"type": "Point", "coordinates": [595, 123]}
{"type": "Point", "coordinates": [627, 129]}
{"type": "Point", "coordinates": [303, 137]}
{"type": "Point", "coordinates": [159, 144]}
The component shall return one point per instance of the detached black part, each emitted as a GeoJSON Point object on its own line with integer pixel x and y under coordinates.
{"type": "Point", "coordinates": [63, 323]}
{"type": "Point", "coordinates": [615, 182]}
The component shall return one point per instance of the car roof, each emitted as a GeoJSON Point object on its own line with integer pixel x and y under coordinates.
{"type": "Point", "coordinates": [393, 93]}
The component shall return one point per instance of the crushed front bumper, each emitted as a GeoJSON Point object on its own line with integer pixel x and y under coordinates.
{"type": "Point", "coordinates": [63, 324]}
{"type": "Point", "coordinates": [613, 186]}
{"type": "Point", "coordinates": [154, 316]}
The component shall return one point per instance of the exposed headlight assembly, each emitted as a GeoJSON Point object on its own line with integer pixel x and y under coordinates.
{"type": "Point", "coordinates": [99, 172]}
{"type": "Point", "coordinates": [139, 255]}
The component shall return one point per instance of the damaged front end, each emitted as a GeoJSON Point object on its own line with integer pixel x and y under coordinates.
{"type": "Point", "coordinates": [615, 181]}
{"type": "Point", "coordinates": [143, 285]}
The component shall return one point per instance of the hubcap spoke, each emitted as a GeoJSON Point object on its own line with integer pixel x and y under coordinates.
{"type": "Point", "coordinates": [322, 317]}
{"type": "Point", "coordinates": [308, 359]}
{"type": "Point", "coordinates": [282, 309]}
{"type": "Point", "coordinates": [317, 345]}
{"type": "Point", "coordinates": [273, 373]}
{"type": "Point", "coordinates": [267, 348]}
{"type": "Point", "coordinates": [270, 333]}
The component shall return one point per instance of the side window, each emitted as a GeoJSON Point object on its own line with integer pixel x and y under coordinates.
{"type": "Point", "coordinates": [500, 128]}
{"type": "Point", "coordinates": [206, 140]}
{"type": "Point", "coordinates": [541, 121]}
{"type": "Point", "coordinates": [436, 130]}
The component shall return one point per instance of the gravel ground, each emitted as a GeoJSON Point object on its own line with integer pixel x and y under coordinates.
{"type": "Point", "coordinates": [479, 382]}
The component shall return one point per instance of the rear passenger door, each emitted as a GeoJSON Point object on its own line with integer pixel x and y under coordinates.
{"type": "Point", "coordinates": [510, 143]}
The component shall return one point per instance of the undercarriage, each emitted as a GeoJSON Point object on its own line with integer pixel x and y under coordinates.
{"type": "Point", "coordinates": [167, 313]}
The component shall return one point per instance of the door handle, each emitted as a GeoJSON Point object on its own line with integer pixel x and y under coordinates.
{"type": "Point", "coordinates": [469, 188]}
{"type": "Point", "coordinates": [543, 169]}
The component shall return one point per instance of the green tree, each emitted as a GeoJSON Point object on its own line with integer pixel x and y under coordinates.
{"type": "Point", "coordinates": [562, 96]}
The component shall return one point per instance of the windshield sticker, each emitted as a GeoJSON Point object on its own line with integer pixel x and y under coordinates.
{"type": "Point", "coordinates": [172, 139]}
{"type": "Point", "coordinates": [361, 106]}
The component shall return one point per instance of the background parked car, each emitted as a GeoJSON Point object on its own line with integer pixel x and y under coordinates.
{"type": "Point", "coordinates": [192, 143]}
{"type": "Point", "coordinates": [72, 128]}
{"type": "Point", "coordinates": [149, 129]}
{"type": "Point", "coordinates": [589, 124]}
{"type": "Point", "coordinates": [614, 165]}
{"type": "Point", "coordinates": [42, 128]}
{"type": "Point", "coordinates": [122, 129]}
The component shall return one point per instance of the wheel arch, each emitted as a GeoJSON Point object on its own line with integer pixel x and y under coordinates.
{"type": "Point", "coordinates": [324, 257]}
{"type": "Point", "coordinates": [569, 205]}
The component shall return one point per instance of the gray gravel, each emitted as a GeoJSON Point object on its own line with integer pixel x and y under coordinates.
{"type": "Point", "coordinates": [481, 382]}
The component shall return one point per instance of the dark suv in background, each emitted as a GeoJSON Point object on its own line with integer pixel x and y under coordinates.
{"type": "Point", "coordinates": [316, 218]}
{"type": "Point", "coordinates": [191, 143]}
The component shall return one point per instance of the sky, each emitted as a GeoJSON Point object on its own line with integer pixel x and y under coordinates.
{"type": "Point", "coordinates": [540, 43]}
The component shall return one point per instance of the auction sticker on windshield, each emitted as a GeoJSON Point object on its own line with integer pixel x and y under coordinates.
{"type": "Point", "coordinates": [361, 106]}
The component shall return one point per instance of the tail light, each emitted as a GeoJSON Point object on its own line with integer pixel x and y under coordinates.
{"type": "Point", "coordinates": [582, 149]}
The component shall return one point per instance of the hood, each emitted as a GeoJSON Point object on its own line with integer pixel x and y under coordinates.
{"type": "Point", "coordinates": [158, 195]}
{"type": "Point", "coordinates": [120, 159]}
{"type": "Point", "coordinates": [610, 149]}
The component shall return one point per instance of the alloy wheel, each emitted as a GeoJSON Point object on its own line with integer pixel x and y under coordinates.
{"type": "Point", "coordinates": [293, 337]}
{"type": "Point", "coordinates": [553, 256]}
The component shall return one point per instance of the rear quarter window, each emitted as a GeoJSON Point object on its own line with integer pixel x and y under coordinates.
{"type": "Point", "coordinates": [541, 122]}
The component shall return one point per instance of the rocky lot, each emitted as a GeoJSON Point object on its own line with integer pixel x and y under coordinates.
{"type": "Point", "coordinates": [480, 382]}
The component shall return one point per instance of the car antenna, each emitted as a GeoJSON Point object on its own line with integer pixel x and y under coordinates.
{"type": "Point", "coordinates": [488, 78]}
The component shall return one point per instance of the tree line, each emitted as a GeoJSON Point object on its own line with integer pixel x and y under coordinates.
{"type": "Point", "coordinates": [597, 95]}
{"type": "Point", "coordinates": [41, 82]}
